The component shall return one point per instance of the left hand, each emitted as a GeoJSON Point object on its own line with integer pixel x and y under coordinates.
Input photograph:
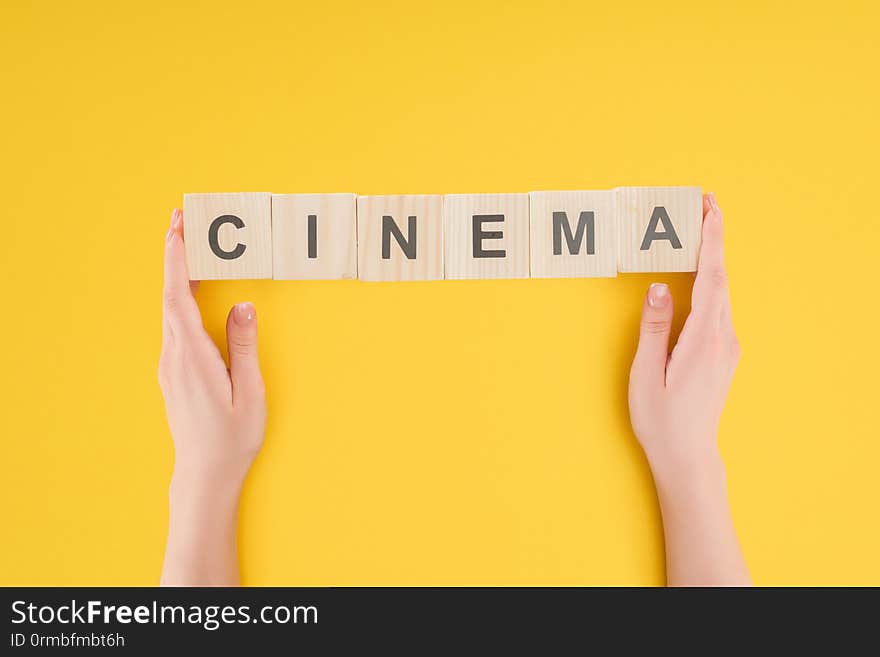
{"type": "Point", "coordinates": [217, 415]}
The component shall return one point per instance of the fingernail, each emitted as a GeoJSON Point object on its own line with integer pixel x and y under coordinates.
{"type": "Point", "coordinates": [713, 203]}
{"type": "Point", "coordinates": [244, 313]}
{"type": "Point", "coordinates": [658, 295]}
{"type": "Point", "coordinates": [174, 214]}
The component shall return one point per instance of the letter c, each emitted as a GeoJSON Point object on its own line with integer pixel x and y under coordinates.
{"type": "Point", "coordinates": [214, 242]}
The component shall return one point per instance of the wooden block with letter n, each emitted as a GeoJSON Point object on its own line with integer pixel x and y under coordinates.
{"type": "Point", "coordinates": [314, 236]}
{"type": "Point", "coordinates": [573, 234]}
{"type": "Point", "coordinates": [400, 238]}
{"type": "Point", "coordinates": [228, 235]}
{"type": "Point", "coordinates": [660, 228]}
{"type": "Point", "coordinates": [486, 235]}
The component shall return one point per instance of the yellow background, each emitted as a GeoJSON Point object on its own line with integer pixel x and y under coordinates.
{"type": "Point", "coordinates": [470, 432]}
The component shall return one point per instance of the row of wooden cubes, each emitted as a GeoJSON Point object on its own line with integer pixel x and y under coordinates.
{"type": "Point", "coordinates": [563, 234]}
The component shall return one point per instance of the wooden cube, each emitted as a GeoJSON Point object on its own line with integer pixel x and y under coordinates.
{"type": "Point", "coordinates": [228, 235]}
{"type": "Point", "coordinates": [573, 234]}
{"type": "Point", "coordinates": [314, 236]}
{"type": "Point", "coordinates": [660, 228]}
{"type": "Point", "coordinates": [400, 238]}
{"type": "Point", "coordinates": [486, 235]}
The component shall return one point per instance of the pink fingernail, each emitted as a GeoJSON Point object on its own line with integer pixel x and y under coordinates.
{"type": "Point", "coordinates": [244, 313]}
{"type": "Point", "coordinates": [175, 214]}
{"type": "Point", "coordinates": [713, 203]}
{"type": "Point", "coordinates": [658, 295]}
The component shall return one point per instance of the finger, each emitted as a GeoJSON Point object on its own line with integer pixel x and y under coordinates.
{"type": "Point", "coordinates": [193, 285]}
{"type": "Point", "coordinates": [179, 306]}
{"type": "Point", "coordinates": [653, 350]}
{"type": "Point", "coordinates": [710, 287]}
{"type": "Point", "coordinates": [244, 366]}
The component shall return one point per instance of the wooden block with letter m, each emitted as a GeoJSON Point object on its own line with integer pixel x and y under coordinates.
{"type": "Point", "coordinates": [573, 234]}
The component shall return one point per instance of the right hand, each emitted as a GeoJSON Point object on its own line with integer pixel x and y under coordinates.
{"type": "Point", "coordinates": [676, 400]}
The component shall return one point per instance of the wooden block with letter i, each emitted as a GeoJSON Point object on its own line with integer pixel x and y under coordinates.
{"type": "Point", "coordinates": [314, 236]}
{"type": "Point", "coordinates": [660, 228]}
{"type": "Point", "coordinates": [400, 238]}
{"type": "Point", "coordinates": [486, 235]}
{"type": "Point", "coordinates": [228, 235]}
{"type": "Point", "coordinates": [573, 234]}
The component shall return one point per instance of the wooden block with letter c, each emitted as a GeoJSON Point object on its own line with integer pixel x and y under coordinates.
{"type": "Point", "coordinates": [228, 236]}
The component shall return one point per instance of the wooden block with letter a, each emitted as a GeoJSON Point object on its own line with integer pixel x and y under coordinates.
{"type": "Point", "coordinates": [314, 236]}
{"type": "Point", "coordinates": [228, 235]}
{"type": "Point", "coordinates": [486, 235]}
{"type": "Point", "coordinates": [573, 234]}
{"type": "Point", "coordinates": [660, 228]}
{"type": "Point", "coordinates": [400, 238]}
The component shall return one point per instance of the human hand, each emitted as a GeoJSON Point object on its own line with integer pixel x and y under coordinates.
{"type": "Point", "coordinates": [217, 419]}
{"type": "Point", "coordinates": [217, 416]}
{"type": "Point", "coordinates": [675, 404]}
{"type": "Point", "coordinates": [676, 400]}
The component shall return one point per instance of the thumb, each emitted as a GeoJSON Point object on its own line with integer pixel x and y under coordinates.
{"type": "Point", "coordinates": [653, 350]}
{"type": "Point", "coordinates": [244, 366]}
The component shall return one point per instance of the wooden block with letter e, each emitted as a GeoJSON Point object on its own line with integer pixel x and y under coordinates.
{"type": "Point", "coordinates": [486, 235]}
{"type": "Point", "coordinates": [659, 228]}
{"type": "Point", "coordinates": [314, 236]}
{"type": "Point", "coordinates": [228, 235]}
{"type": "Point", "coordinates": [573, 234]}
{"type": "Point", "coordinates": [400, 238]}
